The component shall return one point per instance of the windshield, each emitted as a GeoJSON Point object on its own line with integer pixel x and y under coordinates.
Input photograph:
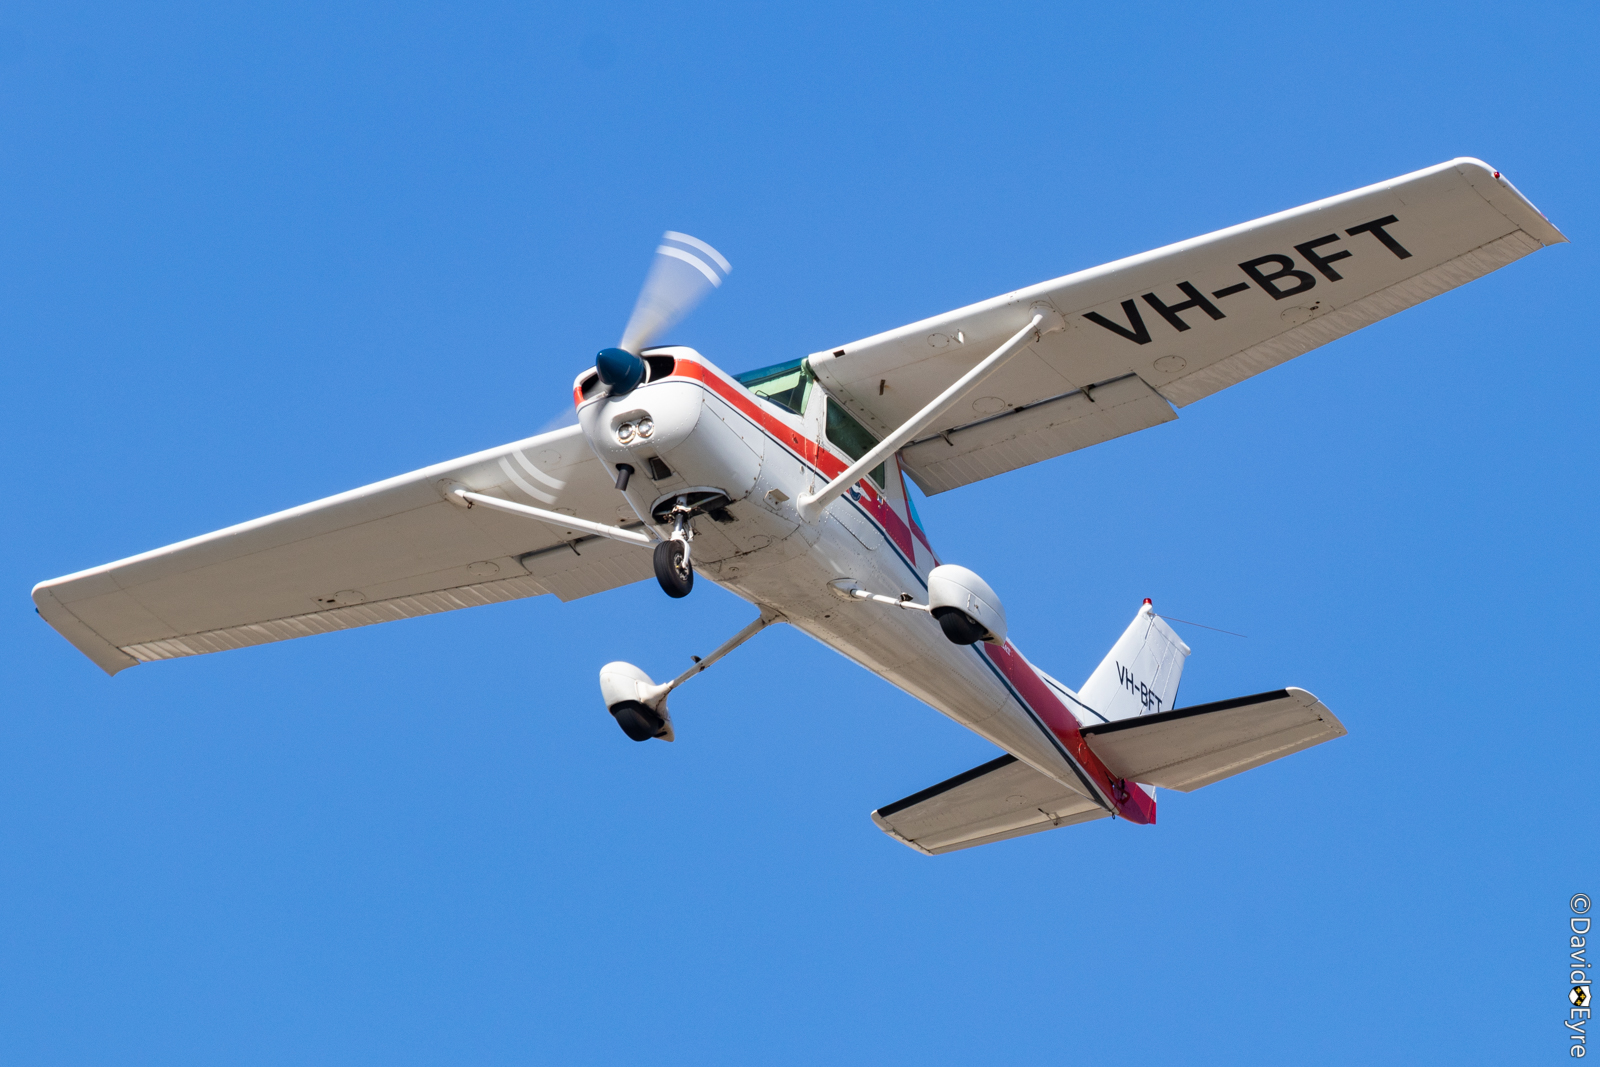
{"type": "Point", "coordinates": [787, 384]}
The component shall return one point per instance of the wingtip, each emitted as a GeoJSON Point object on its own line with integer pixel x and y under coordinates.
{"type": "Point", "coordinates": [1543, 230]}
{"type": "Point", "coordinates": [101, 653]}
{"type": "Point", "coordinates": [906, 841]}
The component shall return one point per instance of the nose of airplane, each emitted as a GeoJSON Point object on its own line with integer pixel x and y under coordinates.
{"type": "Point", "coordinates": [619, 369]}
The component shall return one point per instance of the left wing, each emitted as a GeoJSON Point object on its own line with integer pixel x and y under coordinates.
{"type": "Point", "coordinates": [391, 550]}
{"type": "Point", "coordinates": [1176, 324]}
{"type": "Point", "coordinates": [1001, 799]}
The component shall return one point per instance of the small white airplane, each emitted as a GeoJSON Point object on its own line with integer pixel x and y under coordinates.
{"type": "Point", "coordinates": [786, 485]}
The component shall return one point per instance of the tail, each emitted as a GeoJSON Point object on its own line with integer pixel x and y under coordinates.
{"type": "Point", "coordinates": [1139, 676]}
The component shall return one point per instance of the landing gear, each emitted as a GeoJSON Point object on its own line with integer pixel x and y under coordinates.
{"type": "Point", "coordinates": [673, 569]}
{"type": "Point", "coordinates": [959, 627]}
{"type": "Point", "coordinates": [640, 705]}
{"type": "Point", "coordinates": [638, 721]}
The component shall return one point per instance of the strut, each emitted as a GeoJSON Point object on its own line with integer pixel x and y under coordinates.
{"type": "Point", "coordinates": [811, 505]}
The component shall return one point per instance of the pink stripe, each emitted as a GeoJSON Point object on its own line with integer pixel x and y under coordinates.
{"type": "Point", "coordinates": [1132, 803]}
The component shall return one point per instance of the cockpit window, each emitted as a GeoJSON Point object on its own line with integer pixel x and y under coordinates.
{"type": "Point", "coordinates": [852, 437]}
{"type": "Point", "coordinates": [786, 384]}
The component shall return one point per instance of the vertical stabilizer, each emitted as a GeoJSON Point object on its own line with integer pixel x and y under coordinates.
{"type": "Point", "coordinates": [1139, 676]}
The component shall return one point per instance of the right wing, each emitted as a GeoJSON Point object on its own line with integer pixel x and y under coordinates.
{"type": "Point", "coordinates": [1179, 323]}
{"type": "Point", "coordinates": [1003, 798]}
{"type": "Point", "coordinates": [1187, 748]}
{"type": "Point", "coordinates": [391, 550]}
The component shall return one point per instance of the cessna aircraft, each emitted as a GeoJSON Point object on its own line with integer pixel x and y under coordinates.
{"type": "Point", "coordinates": [786, 485]}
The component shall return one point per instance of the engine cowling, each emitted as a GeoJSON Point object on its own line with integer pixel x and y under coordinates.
{"type": "Point", "coordinates": [967, 609]}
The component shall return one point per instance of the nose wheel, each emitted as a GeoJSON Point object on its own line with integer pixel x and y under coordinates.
{"type": "Point", "coordinates": [673, 569]}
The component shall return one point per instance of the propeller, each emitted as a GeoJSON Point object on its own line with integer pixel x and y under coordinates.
{"type": "Point", "coordinates": [684, 270]}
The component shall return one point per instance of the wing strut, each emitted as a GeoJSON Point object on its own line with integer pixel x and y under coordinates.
{"type": "Point", "coordinates": [640, 705]}
{"type": "Point", "coordinates": [761, 622]}
{"type": "Point", "coordinates": [811, 505]}
{"type": "Point", "coordinates": [553, 518]}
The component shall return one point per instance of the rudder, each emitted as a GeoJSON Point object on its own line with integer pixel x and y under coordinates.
{"type": "Point", "coordinates": [1139, 676]}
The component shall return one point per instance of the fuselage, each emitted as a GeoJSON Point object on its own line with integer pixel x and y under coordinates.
{"type": "Point", "coordinates": [761, 445]}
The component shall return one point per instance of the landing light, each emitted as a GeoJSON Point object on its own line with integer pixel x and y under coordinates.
{"type": "Point", "coordinates": [646, 427]}
{"type": "Point", "coordinates": [625, 432]}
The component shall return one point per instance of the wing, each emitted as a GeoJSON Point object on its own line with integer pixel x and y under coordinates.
{"type": "Point", "coordinates": [1181, 322]}
{"type": "Point", "coordinates": [1187, 748]}
{"type": "Point", "coordinates": [391, 550]}
{"type": "Point", "coordinates": [1003, 798]}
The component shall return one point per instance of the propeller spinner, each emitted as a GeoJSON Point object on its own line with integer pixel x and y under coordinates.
{"type": "Point", "coordinates": [685, 269]}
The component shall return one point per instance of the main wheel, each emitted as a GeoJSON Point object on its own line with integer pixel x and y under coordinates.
{"type": "Point", "coordinates": [958, 626]}
{"type": "Point", "coordinates": [637, 721]}
{"type": "Point", "coordinates": [673, 571]}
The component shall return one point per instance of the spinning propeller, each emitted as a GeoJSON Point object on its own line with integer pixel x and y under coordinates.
{"type": "Point", "coordinates": [685, 269]}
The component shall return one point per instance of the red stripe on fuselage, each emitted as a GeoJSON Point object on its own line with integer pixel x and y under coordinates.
{"type": "Point", "coordinates": [879, 509]}
{"type": "Point", "coordinates": [911, 515]}
{"type": "Point", "coordinates": [751, 409]}
{"type": "Point", "coordinates": [1132, 803]}
{"type": "Point", "coordinates": [829, 464]}
{"type": "Point", "coordinates": [900, 531]}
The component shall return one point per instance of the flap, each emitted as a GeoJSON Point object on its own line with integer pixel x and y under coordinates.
{"type": "Point", "coordinates": [1003, 798]}
{"type": "Point", "coordinates": [1193, 317]}
{"type": "Point", "coordinates": [994, 444]}
{"type": "Point", "coordinates": [390, 550]}
{"type": "Point", "coordinates": [1187, 748]}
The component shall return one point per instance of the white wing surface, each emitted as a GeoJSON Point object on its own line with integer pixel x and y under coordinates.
{"type": "Point", "coordinates": [391, 550]}
{"type": "Point", "coordinates": [1187, 748]}
{"type": "Point", "coordinates": [1179, 323]}
{"type": "Point", "coordinates": [1182, 749]}
{"type": "Point", "coordinates": [1001, 799]}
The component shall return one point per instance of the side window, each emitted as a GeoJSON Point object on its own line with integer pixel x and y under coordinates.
{"type": "Point", "coordinates": [852, 438]}
{"type": "Point", "coordinates": [911, 506]}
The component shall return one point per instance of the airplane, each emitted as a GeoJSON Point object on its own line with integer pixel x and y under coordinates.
{"type": "Point", "coordinates": [787, 486]}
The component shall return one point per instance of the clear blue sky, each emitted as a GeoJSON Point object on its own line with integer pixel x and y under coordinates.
{"type": "Point", "coordinates": [254, 255]}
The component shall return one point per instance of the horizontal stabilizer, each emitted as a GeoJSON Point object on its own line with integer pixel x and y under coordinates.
{"type": "Point", "coordinates": [1187, 748]}
{"type": "Point", "coordinates": [1003, 798]}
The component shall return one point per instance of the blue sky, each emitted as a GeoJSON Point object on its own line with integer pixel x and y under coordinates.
{"type": "Point", "coordinates": [254, 255]}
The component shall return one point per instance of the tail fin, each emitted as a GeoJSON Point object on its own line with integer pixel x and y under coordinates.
{"type": "Point", "coordinates": [1139, 676]}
